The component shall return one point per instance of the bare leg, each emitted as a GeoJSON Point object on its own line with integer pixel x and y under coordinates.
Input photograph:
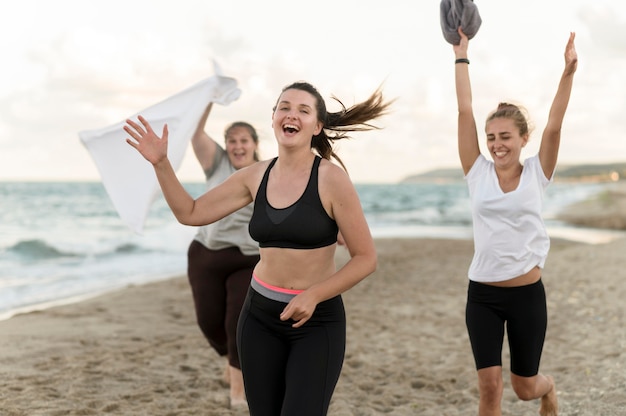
{"type": "Point", "coordinates": [535, 387]}
{"type": "Point", "coordinates": [226, 375]}
{"type": "Point", "coordinates": [549, 402]}
{"type": "Point", "coordinates": [490, 388]}
{"type": "Point", "coordinates": [237, 393]}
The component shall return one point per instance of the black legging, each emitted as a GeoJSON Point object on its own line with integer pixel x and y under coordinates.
{"type": "Point", "coordinates": [522, 309]}
{"type": "Point", "coordinates": [290, 371]}
{"type": "Point", "coordinates": [219, 282]}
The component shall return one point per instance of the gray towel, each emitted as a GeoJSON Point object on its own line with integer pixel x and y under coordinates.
{"type": "Point", "coordinates": [455, 13]}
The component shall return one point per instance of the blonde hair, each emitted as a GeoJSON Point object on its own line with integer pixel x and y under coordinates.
{"type": "Point", "coordinates": [514, 112]}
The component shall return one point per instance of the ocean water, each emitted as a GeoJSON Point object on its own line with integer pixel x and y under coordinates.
{"type": "Point", "coordinates": [63, 241]}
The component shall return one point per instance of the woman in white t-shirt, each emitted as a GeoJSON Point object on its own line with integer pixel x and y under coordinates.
{"type": "Point", "coordinates": [510, 240]}
{"type": "Point", "coordinates": [222, 255]}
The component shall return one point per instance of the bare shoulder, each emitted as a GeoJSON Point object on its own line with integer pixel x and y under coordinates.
{"type": "Point", "coordinates": [334, 182]}
{"type": "Point", "coordinates": [331, 173]}
{"type": "Point", "coordinates": [252, 175]}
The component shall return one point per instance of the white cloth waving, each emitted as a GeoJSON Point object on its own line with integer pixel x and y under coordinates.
{"type": "Point", "coordinates": [128, 178]}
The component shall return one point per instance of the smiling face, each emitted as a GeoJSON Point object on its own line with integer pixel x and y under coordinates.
{"type": "Point", "coordinates": [295, 120]}
{"type": "Point", "coordinates": [240, 147]}
{"type": "Point", "coordinates": [504, 141]}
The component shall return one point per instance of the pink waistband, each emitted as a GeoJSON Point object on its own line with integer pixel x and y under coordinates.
{"type": "Point", "coordinates": [276, 288]}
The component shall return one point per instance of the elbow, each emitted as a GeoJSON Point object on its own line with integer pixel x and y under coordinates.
{"type": "Point", "coordinates": [373, 263]}
{"type": "Point", "coordinates": [186, 222]}
{"type": "Point", "coordinates": [193, 223]}
{"type": "Point", "coordinates": [186, 219]}
{"type": "Point", "coordinates": [367, 263]}
{"type": "Point", "coordinates": [190, 215]}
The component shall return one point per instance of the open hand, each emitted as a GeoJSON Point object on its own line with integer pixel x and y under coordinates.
{"type": "Point", "coordinates": [152, 147]}
{"type": "Point", "coordinates": [571, 57]}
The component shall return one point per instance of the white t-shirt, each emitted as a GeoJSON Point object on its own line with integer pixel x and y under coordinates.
{"type": "Point", "coordinates": [510, 237]}
{"type": "Point", "coordinates": [232, 230]}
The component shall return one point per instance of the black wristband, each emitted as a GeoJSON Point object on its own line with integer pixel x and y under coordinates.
{"type": "Point", "coordinates": [462, 61]}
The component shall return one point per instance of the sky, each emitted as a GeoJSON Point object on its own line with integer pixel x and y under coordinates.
{"type": "Point", "coordinates": [73, 65]}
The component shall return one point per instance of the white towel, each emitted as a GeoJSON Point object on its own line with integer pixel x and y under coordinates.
{"type": "Point", "coordinates": [128, 178]}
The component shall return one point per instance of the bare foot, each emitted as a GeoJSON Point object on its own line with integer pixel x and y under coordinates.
{"type": "Point", "coordinates": [549, 402]}
{"type": "Point", "coordinates": [237, 392]}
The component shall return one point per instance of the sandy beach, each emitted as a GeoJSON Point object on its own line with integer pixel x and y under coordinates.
{"type": "Point", "coordinates": [138, 351]}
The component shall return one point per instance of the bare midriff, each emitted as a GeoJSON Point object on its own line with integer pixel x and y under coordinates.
{"type": "Point", "coordinates": [295, 269]}
{"type": "Point", "coordinates": [526, 279]}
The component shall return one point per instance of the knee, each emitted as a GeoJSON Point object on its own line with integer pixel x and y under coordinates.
{"type": "Point", "coordinates": [491, 389]}
{"type": "Point", "coordinates": [524, 388]}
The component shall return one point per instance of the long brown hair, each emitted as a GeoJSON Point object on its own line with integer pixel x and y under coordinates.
{"type": "Point", "coordinates": [338, 124]}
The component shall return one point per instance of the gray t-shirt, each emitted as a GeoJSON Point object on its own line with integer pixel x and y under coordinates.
{"type": "Point", "coordinates": [231, 231]}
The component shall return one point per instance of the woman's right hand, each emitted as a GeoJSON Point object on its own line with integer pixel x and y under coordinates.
{"type": "Point", "coordinates": [460, 50]}
{"type": "Point", "coordinates": [152, 147]}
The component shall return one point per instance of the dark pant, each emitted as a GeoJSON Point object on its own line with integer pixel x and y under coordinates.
{"type": "Point", "coordinates": [290, 371]}
{"type": "Point", "coordinates": [524, 311]}
{"type": "Point", "coordinates": [219, 282]}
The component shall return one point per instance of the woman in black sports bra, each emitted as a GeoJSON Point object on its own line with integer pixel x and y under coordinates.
{"type": "Point", "coordinates": [291, 332]}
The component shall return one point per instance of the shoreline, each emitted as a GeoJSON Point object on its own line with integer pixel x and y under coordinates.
{"type": "Point", "coordinates": [605, 210]}
{"type": "Point", "coordinates": [19, 302]}
{"type": "Point", "coordinates": [138, 350]}
{"type": "Point", "coordinates": [572, 233]}
{"type": "Point", "coordinates": [583, 235]}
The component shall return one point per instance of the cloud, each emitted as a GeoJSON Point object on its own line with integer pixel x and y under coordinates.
{"type": "Point", "coordinates": [66, 72]}
{"type": "Point", "coordinates": [606, 29]}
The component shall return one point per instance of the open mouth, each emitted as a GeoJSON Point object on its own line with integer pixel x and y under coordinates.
{"type": "Point", "coordinates": [290, 128]}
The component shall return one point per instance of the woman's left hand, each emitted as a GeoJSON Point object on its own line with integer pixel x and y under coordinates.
{"type": "Point", "coordinates": [571, 57]}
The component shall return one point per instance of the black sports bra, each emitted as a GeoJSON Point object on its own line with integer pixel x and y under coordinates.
{"type": "Point", "coordinates": [302, 225]}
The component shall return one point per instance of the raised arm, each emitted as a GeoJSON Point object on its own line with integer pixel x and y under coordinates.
{"type": "Point", "coordinates": [204, 147]}
{"type": "Point", "coordinates": [551, 138]}
{"type": "Point", "coordinates": [215, 204]}
{"type": "Point", "coordinates": [467, 133]}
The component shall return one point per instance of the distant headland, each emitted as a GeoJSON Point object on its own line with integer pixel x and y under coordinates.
{"type": "Point", "coordinates": [607, 172]}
